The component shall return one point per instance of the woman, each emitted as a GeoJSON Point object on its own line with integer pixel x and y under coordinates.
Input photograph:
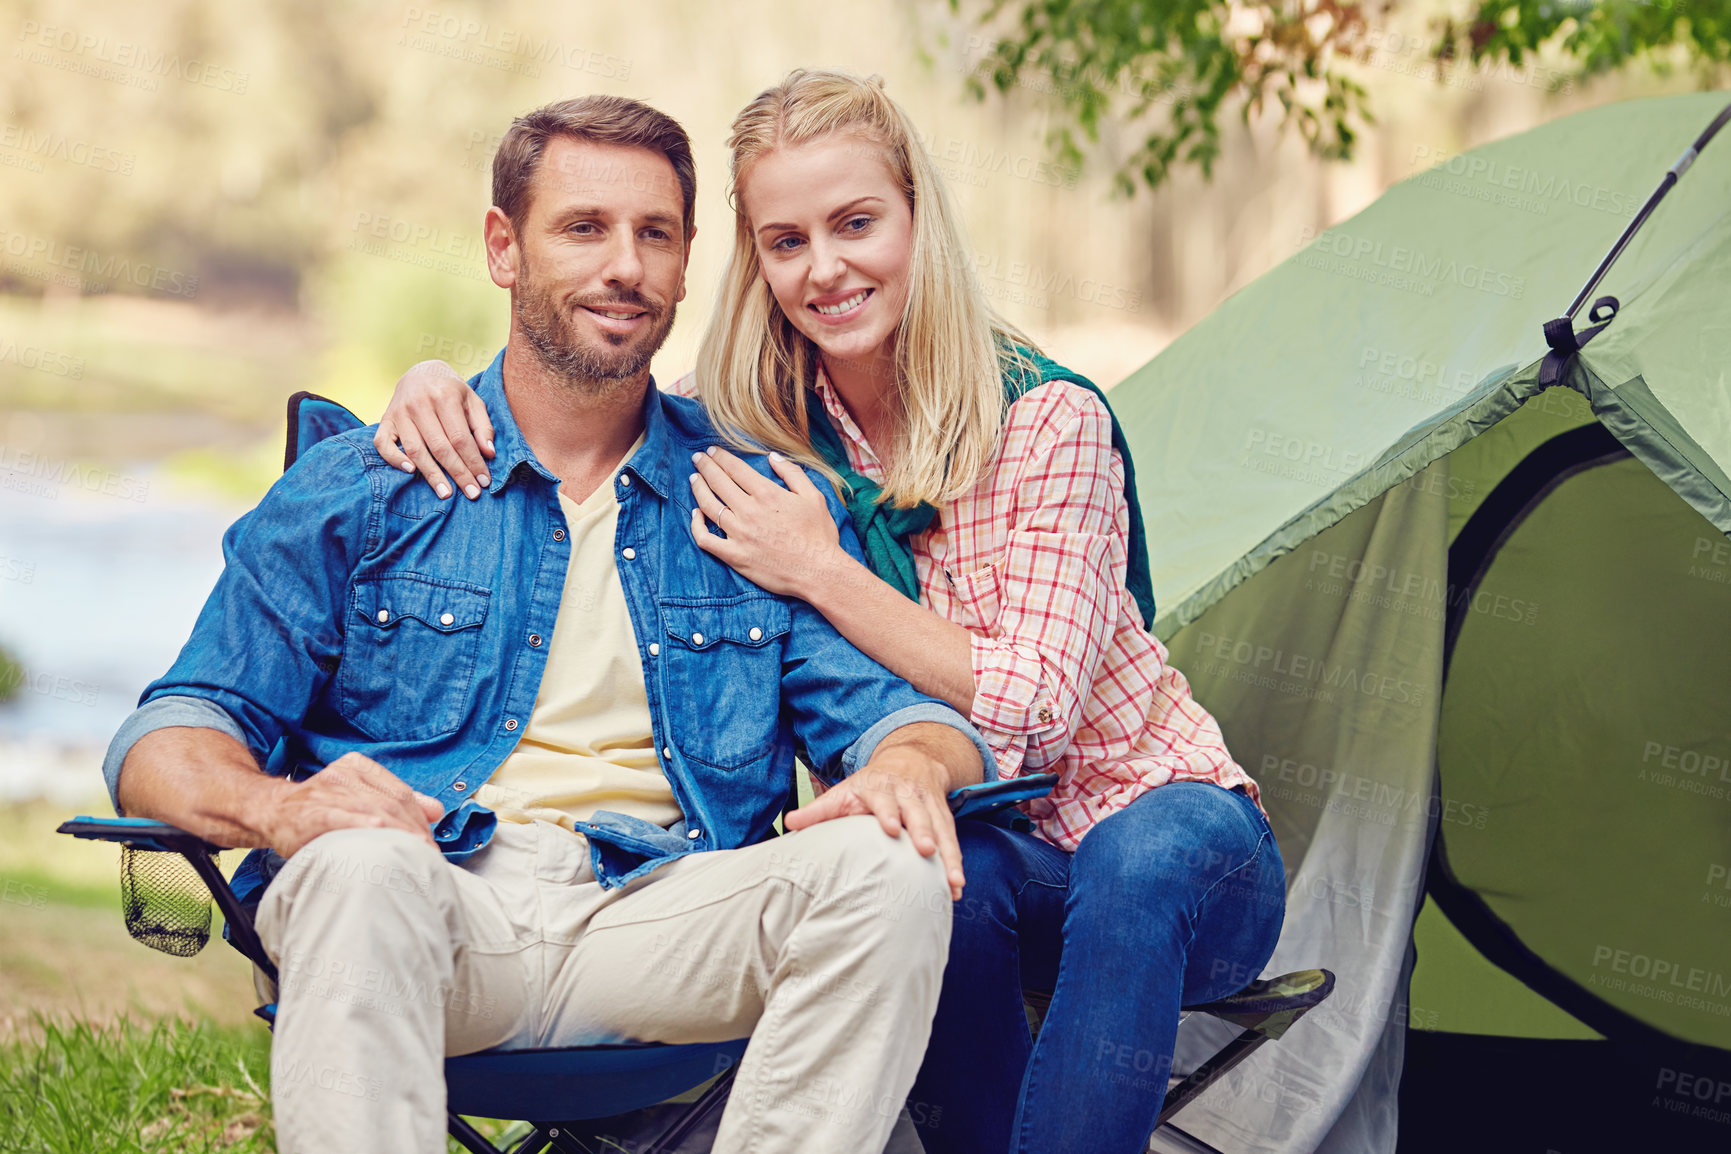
{"type": "Point", "coordinates": [990, 490]}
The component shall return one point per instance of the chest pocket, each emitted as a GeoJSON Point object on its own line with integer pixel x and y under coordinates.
{"type": "Point", "coordinates": [723, 675]}
{"type": "Point", "coordinates": [409, 655]}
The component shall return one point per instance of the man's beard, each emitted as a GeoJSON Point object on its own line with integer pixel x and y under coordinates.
{"type": "Point", "coordinates": [552, 334]}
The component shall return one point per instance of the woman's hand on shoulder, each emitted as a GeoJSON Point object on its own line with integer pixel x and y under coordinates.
{"type": "Point", "coordinates": [441, 426]}
{"type": "Point", "coordinates": [780, 538]}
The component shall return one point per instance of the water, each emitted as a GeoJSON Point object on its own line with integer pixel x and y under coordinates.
{"type": "Point", "coordinates": [97, 595]}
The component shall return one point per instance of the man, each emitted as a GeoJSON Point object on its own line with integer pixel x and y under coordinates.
{"type": "Point", "coordinates": [597, 720]}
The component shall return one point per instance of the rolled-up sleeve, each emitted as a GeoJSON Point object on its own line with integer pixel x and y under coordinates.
{"type": "Point", "coordinates": [861, 750]}
{"type": "Point", "coordinates": [162, 713]}
{"type": "Point", "coordinates": [1056, 593]}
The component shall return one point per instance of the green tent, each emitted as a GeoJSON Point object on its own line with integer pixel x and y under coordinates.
{"type": "Point", "coordinates": [1463, 608]}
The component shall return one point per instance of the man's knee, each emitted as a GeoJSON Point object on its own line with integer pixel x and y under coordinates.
{"type": "Point", "coordinates": [350, 873]}
{"type": "Point", "coordinates": [364, 862]}
{"type": "Point", "coordinates": [851, 867]}
{"type": "Point", "coordinates": [346, 892]}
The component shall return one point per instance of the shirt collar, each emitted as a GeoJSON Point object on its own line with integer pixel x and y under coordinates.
{"type": "Point", "coordinates": [651, 462]}
{"type": "Point", "coordinates": [859, 451]}
{"type": "Point", "coordinates": [511, 449]}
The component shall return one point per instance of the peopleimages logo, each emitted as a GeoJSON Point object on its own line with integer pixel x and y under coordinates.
{"type": "Point", "coordinates": [503, 47]}
{"type": "Point", "coordinates": [1661, 979]}
{"type": "Point", "coordinates": [1697, 1095]}
{"type": "Point", "coordinates": [42, 475]}
{"type": "Point", "coordinates": [87, 262]}
{"type": "Point", "coordinates": [42, 360]}
{"type": "Point", "coordinates": [1264, 666]}
{"type": "Point", "coordinates": [1338, 790]}
{"type": "Point", "coordinates": [1541, 189]}
{"type": "Point", "coordinates": [967, 160]}
{"type": "Point", "coordinates": [1399, 267]}
{"type": "Point", "coordinates": [1384, 370]}
{"type": "Point", "coordinates": [123, 61]}
{"type": "Point", "coordinates": [66, 149]}
{"type": "Point", "coordinates": [1407, 590]}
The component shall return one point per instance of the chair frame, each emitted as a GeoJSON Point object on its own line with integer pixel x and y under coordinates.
{"type": "Point", "coordinates": [1264, 1013]}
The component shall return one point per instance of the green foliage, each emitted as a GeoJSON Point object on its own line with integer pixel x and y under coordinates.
{"type": "Point", "coordinates": [78, 1088]}
{"type": "Point", "coordinates": [1599, 37]}
{"type": "Point", "coordinates": [1172, 68]}
{"type": "Point", "coordinates": [11, 675]}
{"type": "Point", "coordinates": [131, 1088]}
{"type": "Point", "coordinates": [386, 315]}
{"type": "Point", "coordinates": [1168, 69]}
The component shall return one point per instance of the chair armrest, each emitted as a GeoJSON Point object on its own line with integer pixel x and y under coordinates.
{"type": "Point", "coordinates": [160, 837]}
{"type": "Point", "coordinates": [1271, 1006]}
{"type": "Point", "coordinates": [137, 832]}
{"type": "Point", "coordinates": [987, 796]}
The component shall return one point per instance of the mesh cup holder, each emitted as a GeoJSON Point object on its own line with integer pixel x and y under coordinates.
{"type": "Point", "coordinates": [166, 903]}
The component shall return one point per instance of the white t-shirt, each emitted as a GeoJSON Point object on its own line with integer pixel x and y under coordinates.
{"type": "Point", "coordinates": [589, 744]}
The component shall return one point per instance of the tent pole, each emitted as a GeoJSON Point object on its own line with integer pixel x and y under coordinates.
{"type": "Point", "coordinates": [1672, 176]}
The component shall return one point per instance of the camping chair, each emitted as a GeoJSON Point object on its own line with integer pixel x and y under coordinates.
{"type": "Point", "coordinates": [579, 1090]}
{"type": "Point", "coordinates": [570, 1095]}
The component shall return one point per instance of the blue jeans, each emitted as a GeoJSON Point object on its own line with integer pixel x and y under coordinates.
{"type": "Point", "coordinates": [1176, 899]}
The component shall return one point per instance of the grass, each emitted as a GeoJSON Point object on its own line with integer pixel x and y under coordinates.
{"type": "Point", "coordinates": [130, 1088]}
{"type": "Point", "coordinates": [127, 1088]}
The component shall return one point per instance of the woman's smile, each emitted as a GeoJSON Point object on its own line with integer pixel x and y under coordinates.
{"type": "Point", "coordinates": [836, 308]}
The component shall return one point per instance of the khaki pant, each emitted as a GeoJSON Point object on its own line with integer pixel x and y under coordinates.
{"type": "Point", "coordinates": [826, 946]}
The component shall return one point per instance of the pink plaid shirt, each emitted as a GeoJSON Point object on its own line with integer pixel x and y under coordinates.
{"type": "Point", "coordinates": [1032, 563]}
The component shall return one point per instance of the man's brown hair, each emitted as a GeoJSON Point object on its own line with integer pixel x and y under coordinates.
{"type": "Point", "coordinates": [602, 120]}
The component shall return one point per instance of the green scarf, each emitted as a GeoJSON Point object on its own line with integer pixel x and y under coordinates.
{"type": "Point", "coordinates": [884, 530]}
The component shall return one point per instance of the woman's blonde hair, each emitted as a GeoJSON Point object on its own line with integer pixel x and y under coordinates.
{"type": "Point", "coordinates": [753, 366]}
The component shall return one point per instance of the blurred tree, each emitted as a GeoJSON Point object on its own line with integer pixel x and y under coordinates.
{"type": "Point", "coordinates": [11, 676]}
{"type": "Point", "coordinates": [1171, 67]}
{"type": "Point", "coordinates": [212, 130]}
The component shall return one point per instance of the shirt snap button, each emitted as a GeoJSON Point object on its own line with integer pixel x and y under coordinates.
{"type": "Point", "coordinates": [666, 753]}
{"type": "Point", "coordinates": [756, 634]}
{"type": "Point", "coordinates": [384, 616]}
{"type": "Point", "coordinates": [654, 649]}
{"type": "Point", "coordinates": [697, 639]}
{"type": "Point", "coordinates": [558, 534]}
{"type": "Point", "coordinates": [693, 834]}
{"type": "Point", "coordinates": [534, 640]}
{"type": "Point", "coordinates": [447, 619]}
{"type": "Point", "coordinates": [460, 786]}
{"type": "Point", "coordinates": [511, 725]}
{"type": "Point", "coordinates": [624, 479]}
{"type": "Point", "coordinates": [629, 553]}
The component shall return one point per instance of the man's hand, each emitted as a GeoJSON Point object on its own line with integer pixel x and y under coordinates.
{"type": "Point", "coordinates": [205, 782]}
{"type": "Point", "coordinates": [904, 787]}
{"type": "Point", "coordinates": [352, 792]}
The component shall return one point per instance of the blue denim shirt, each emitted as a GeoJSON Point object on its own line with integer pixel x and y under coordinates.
{"type": "Point", "coordinates": [356, 611]}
